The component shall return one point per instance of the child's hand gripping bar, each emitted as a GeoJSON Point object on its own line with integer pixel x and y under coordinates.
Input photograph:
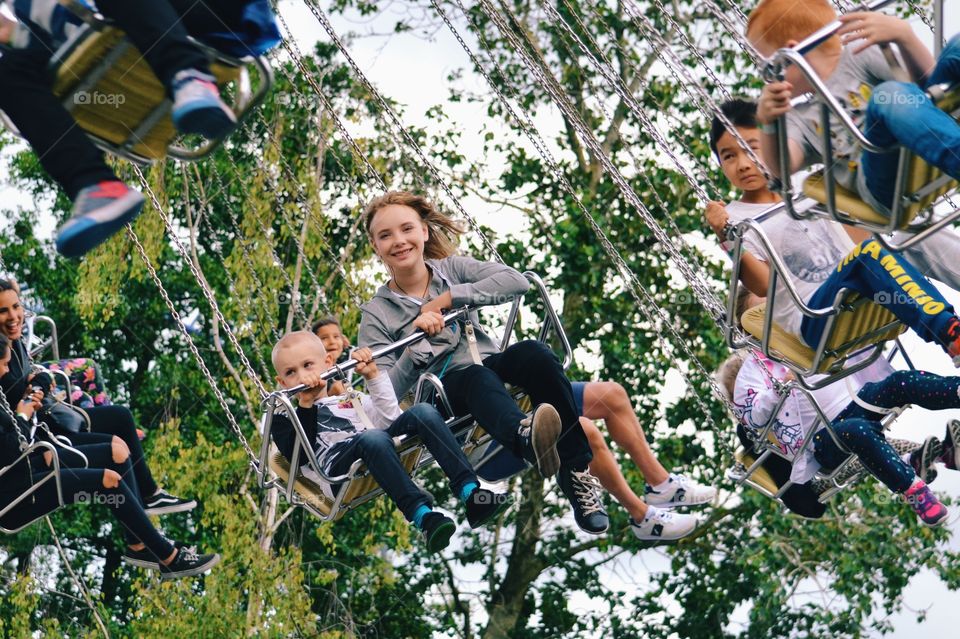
{"type": "Point", "coordinates": [338, 370]}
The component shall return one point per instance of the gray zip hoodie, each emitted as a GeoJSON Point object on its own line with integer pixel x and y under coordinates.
{"type": "Point", "coordinates": [389, 316]}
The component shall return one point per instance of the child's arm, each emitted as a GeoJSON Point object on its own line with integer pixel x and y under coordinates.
{"type": "Point", "coordinates": [754, 273]}
{"type": "Point", "coordinates": [872, 27]}
{"type": "Point", "coordinates": [402, 369]}
{"type": "Point", "coordinates": [775, 102]}
{"type": "Point", "coordinates": [386, 408]}
{"type": "Point", "coordinates": [478, 284]}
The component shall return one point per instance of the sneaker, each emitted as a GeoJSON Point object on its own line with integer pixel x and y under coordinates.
{"type": "Point", "coordinates": [539, 434]}
{"type": "Point", "coordinates": [663, 525]}
{"type": "Point", "coordinates": [188, 563]}
{"type": "Point", "coordinates": [949, 455]}
{"type": "Point", "coordinates": [952, 341]}
{"type": "Point", "coordinates": [485, 505]}
{"type": "Point", "coordinates": [197, 106]}
{"type": "Point", "coordinates": [681, 491]}
{"type": "Point", "coordinates": [584, 490]}
{"type": "Point", "coordinates": [164, 503]}
{"type": "Point", "coordinates": [98, 212]}
{"type": "Point", "coordinates": [143, 558]}
{"type": "Point", "coordinates": [928, 508]}
{"type": "Point", "coordinates": [437, 530]}
{"type": "Point", "coordinates": [922, 460]}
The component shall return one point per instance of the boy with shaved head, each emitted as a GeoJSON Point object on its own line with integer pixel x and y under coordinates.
{"type": "Point", "coordinates": [342, 433]}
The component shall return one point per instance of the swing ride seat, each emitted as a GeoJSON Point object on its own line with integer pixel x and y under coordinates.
{"type": "Point", "coordinates": [918, 186]}
{"type": "Point", "coordinates": [490, 460]}
{"type": "Point", "coordinates": [108, 88]}
{"type": "Point", "coordinates": [53, 475]}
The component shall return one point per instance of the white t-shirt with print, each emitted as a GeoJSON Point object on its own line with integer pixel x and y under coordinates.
{"type": "Point", "coordinates": [810, 249]}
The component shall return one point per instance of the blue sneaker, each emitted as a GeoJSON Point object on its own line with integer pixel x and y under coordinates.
{"type": "Point", "coordinates": [98, 212]}
{"type": "Point", "coordinates": [197, 107]}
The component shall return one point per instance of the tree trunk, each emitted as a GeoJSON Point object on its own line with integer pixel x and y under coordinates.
{"type": "Point", "coordinates": [524, 565]}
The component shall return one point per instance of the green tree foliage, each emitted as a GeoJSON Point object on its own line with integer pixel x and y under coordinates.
{"type": "Point", "coordinates": [265, 221]}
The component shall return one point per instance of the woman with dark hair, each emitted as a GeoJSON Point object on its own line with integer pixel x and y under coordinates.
{"type": "Point", "coordinates": [113, 425]}
{"type": "Point", "coordinates": [101, 473]}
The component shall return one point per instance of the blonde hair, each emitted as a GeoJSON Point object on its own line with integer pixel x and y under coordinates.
{"type": "Point", "coordinates": [444, 232]}
{"type": "Point", "coordinates": [726, 375]}
{"type": "Point", "coordinates": [292, 340]}
{"type": "Point", "coordinates": [776, 22]}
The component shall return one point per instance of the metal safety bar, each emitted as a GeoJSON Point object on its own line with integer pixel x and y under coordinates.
{"type": "Point", "coordinates": [551, 321]}
{"type": "Point", "coordinates": [51, 342]}
{"type": "Point", "coordinates": [53, 475]}
{"type": "Point", "coordinates": [778, 270]}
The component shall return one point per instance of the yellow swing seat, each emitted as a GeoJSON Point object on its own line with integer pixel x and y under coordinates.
{"type": "Point", "coordinates": [859, 324]}
{"type": "Point", "coordinates": [108, 88]}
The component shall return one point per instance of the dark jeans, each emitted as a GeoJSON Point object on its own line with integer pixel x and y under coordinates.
{"type": "Point", "coordinates": [375, 448]}
{"type": "Point", "coordinates": [157, 27]}
{"type": "Point", "coordinates": [85, 485]}
{"type": "Point", "coordinates": [109, 421]}
{"type": "Point", "coordinates": [799, 498]}
{"type": "Point", "coordinates": [479, 391]}
{"type": "Point", "coordinates": [889, 280]}
{"type": "Point", "coordinates": [861, 432]}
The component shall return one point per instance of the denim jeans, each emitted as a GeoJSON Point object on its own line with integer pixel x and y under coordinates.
{"type": "Point", "coordinates": [900, 112]}
{"type": "Point", "coordinates": [375, 448]}
{"type": "Point", "coordinates": [889, 280]}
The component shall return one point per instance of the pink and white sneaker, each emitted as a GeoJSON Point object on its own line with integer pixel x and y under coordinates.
{"type": "Point", "coordinates": [928, 508]}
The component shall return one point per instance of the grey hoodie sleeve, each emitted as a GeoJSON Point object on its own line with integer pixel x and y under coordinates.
{"type": "Point", "coordinates": [401, 368]}
{"type": "Point", "coordinates": [483, 283]}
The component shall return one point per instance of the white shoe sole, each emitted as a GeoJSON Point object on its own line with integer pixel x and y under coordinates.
{"type": "Point", "coordinates": [172, 508]}
{"type": "Point", "coordinates": [196, 570]}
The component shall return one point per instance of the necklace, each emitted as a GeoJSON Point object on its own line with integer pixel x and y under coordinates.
{"type": "Point", "coordinates": [426, 289]}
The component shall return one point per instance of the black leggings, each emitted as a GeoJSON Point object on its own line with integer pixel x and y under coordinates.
{"type": "Point", "coordinates": [479, 391]}
{"type": "Point", "coordinates": [85, 485]}
{"type": "Point", "coordinates": [155, 27]}
{"type": "Point", "coordinates": [107, 422]}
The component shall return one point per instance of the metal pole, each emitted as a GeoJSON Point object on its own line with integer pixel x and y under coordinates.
{"type": "Point", "coordinates": [937, 27]}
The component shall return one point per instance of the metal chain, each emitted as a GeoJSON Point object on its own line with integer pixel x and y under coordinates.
{"type": "Point", "coordinates": [194, 269]}
{"type": "Point", "coordinates": [734, 30]}
{"type": "Point", "coordinates": [391, 114]}
{"type": "Point", "coordinates": [254, 459]}
{"type": "Point", "coordinates": [14, 420]}
{"type": "Point", "coordinates": [644, 301]}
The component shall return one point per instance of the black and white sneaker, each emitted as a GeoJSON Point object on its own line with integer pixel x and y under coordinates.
{"type": "Point", "coordinates": [923, 459]}
{"type": "Point", "coordinates": [950, 456]}
{"type": "Point", "coordinates": [143, 558]}
{"type": "Point", "coordinates": [584, 491]}
{"type": "Point", "coordinates": [539, 434]}
{"type": "Point", "coordinates": [188, 563]}
{"type": "Point", "coordinates": [663, 525]}
{"type": "Point", "coordinates": [163, 503]}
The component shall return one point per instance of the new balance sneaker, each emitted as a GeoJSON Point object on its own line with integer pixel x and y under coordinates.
{"type": "Point", "coordinates": [437, 530]}
{"type": "Point", "coordinates": [928, 508]}
{"type": "Point", "coordinates": [485, 505]}
{"type": "Point", "coordinates": [584, 492]}
{"type": "Point", "coordinates": [923, 459]}
{"type": "Point", "coordinates": [163, 503]}
{"type": "Point", "coordinates": [99, 211]}
{"type": "Point", "coordinates": [187, 563]}
{"type": "Point", "coordinates": [680, 491]}
{"type": "Point", "coordinates": [949, 455]}
{"type": "Point", "coordinates": [663, 525]}
{"type": "Point", "coordinates": [539, 434]}
{"type": "Point", "coordinates": [197, 106]}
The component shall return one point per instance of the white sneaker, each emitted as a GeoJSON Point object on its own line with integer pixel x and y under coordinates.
{"type": "Point", "coordinates": [681, 491]}
{"type": "Point", "coordinates": [663, 525]}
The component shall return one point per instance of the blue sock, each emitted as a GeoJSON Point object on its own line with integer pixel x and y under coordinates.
{"type": "Point", "coordinates": [421, 512]}
{"type": "Point", "coordinates": [467, 489]}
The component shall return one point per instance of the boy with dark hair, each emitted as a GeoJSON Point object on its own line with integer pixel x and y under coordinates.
{"type": "Point", "coordinates": [819, 255]}
{"type": "Point", "coordinates": [102, 202]}
{"type": "Point", "coordinates": [340, 434]}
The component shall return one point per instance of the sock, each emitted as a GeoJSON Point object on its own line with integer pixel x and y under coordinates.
{"type": "Point", "coordinates": [422, 511]}
{"type": "Point", "coordinates": [951, 332]}
{"type": "Point", "coordinates": [906, 458]}
{"type": "Point", "coordinates": [467, 489]}
{"type": "Point", "coordinates": [651, 512]}
{"type": "Point", "coordinates": [662, 486]}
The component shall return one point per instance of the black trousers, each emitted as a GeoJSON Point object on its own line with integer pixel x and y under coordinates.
{"type": "Point", "coordinates": [107, 422]}
{"type": "Point", "coordinates": [157, 27]}
{"type": "Point", "coordinates": [375, 448]}
{"type": "Point", "coordinates": [799, 498]}
{"type": "Point", "coordinates": [85, 485]}
{"type": "Point", "coordinates": [479, 391]}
